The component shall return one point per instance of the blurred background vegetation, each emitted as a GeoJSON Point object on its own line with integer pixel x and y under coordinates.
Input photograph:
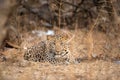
{"type": "Point", "coordinates": [18, 16]}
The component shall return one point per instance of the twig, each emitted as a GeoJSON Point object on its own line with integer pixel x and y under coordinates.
{"type": "Point", "coordinates": [13, 45]}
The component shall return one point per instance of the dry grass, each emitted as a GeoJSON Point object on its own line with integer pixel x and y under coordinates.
{"type": "Point", "coordinates": [91, 52]}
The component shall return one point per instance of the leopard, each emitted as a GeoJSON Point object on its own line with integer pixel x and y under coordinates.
{"type": "Point", "coordinates": [52, 50]}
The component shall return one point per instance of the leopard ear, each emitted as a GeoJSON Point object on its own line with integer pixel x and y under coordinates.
{"type": "Point", "coordinates": [49, 37]}
{"type": "Point", "coordinates": [68, 36]}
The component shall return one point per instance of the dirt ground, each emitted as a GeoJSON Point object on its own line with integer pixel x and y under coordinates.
{"type": "Point", "coordinates": [92, 70]}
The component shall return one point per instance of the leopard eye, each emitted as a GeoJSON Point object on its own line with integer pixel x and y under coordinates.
{"type": "Point", "coordinates": [67, 52]}
{"type": "Point", "coordinates": [61, 43]}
